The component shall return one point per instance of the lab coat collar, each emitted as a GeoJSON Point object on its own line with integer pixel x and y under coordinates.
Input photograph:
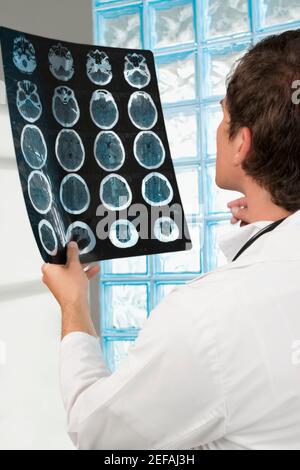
{"type": "Point", "coordinates": [231, 242]}
{"type": "Point", "coordinates": [281, 243]}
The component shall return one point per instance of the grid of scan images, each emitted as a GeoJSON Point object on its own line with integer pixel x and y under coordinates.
{"type": "Point", "coordinates": [92, 150]}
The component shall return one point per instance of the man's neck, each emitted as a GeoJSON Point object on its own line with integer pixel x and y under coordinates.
{"type": "Point", "coordinates": [261, 207]}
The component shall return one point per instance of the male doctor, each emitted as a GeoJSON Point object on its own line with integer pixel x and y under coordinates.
{"type": "Point", "coordinates": [217, 363]}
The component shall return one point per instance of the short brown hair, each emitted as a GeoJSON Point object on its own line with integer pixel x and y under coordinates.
{"type": "Point", "coordinates": [259, 96]}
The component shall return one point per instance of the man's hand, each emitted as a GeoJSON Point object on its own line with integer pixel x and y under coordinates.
{"type": "Point", "coordinates": [239, 209]}
{"type": "Point", "coordinates": [69, 285]}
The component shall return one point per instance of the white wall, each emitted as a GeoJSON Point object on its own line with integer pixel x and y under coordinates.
{"type": "Point", "coordinates": [31, 410]}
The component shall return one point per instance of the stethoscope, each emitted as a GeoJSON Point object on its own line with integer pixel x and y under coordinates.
{"type": "Point", "coordinates": [257, 235]}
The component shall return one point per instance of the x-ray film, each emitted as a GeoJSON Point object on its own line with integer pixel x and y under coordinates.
{"type": "Point", "coordinates": [92, 150]}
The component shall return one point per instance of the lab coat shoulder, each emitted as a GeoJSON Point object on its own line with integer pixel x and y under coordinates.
{"type": "Point", "coordinates": [167, 393]}
{"type": "Point", "coordinates": [255, 315]}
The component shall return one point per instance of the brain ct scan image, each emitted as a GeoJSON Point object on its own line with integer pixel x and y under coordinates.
{"type": "Point", "coordinates": [123, 234]}
{"type": "Point", "coordinates": [39, 191]}
{"type": "Point", "coordinates": [115, 192]}
{"type": "Point", "coordinates": [98, 67]}
{"type": "Point", "coordinates": [136, 71]}
{"type": "Point", "coordinates": [82, 234]}
{"type": "Point", "coordinates": [24, 54]}
{"type": "Point", "coordinates": [109, 151]}
{"type": "Point", "coordinates": [48, 237]}
{"type": "Point", "coordinates": [149, 150]}
{"type": "Point", "coordinates": [74, 194]}
{"type": "Point", "coordinates": [166, 229]}
{"type": "Point", "coordinates": [142, 110]}
{"type": "Point", "coordinates": [33, 146]}
{"type": "Point", "coordinates": [65, 106]}
{"type": "Point", "coordinates": [69, 150]}
{"type": "Point", "coordinates": [28, 101]}
{"type": "Point", "coordinates": [61, 62]}
{"type": "Point", "coordinates": [156, 189]}
{"type": "Point", "coordinates": [91, 148]}
{"type": "Point", "coordinates": [103, 109]}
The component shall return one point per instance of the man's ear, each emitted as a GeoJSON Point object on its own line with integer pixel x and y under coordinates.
{"type": "Point", "coordinates": [243, 142]}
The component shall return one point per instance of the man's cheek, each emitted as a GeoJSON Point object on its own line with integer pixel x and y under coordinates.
{"type": "Point", "coordinates": [219, 140]}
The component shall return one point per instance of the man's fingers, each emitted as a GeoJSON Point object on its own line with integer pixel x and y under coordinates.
{"type": "Point", "coordinates": [91, 272]}
{"type": "Point", "coordinates": [243, 223]}
{"type": "Point", "coordinates": [72, 253]}
{"type": "Point", "coordinates": [44, 268]}
{"type": "Point", "coordinates": [241, 201]}
{"type": "Point", "coordinates": [240, 213]}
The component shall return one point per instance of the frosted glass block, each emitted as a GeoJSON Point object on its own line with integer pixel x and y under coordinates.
{"type": "Point", "coordinates": [174, 25]}
{"type": "Point", "coordinates": [188, 183]}
{"type": "Point", "coordinates": [217, 230]}
{"type": "Point", "coordinates": [279, 11]}
{"type": "Point", "coordinates": [182, 134]}
{"type": "Point", "coordinates": [218, 198]}
{"type": "Point", "coordinates": [122, 30]}
{"type": "Point", "coordinates": [185, 261]}
{"type": "Point", "coordinates": [165, 289]}
{"type": "Point", "coordinates": [133, 265]}
{"type": "Point", "coordinates": [176, 79]}
{"type": "Point", "coordinates": [118, 352]}
{"type": "Point", "coordinates": [218, 67]}
{"type": "Point", "coordinates": [213, 117]}
{"type": "Point", "coordinates": [126, 305]}
{"type": "Point", "coordinates": [225, 17]}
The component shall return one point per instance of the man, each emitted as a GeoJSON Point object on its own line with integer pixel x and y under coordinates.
{"type": "Point", "coordinates": [217, 364]}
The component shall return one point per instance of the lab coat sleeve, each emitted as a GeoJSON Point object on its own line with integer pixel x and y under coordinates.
{"type": "Point", "coordinates": [165, 394]}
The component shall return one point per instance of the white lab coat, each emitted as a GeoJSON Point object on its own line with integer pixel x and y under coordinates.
{"type": "Point", "coordinates": [216, 365]}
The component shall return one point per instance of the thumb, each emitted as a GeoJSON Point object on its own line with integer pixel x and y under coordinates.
{"type": "Point", "coordinates": [241, 213]}
{"type": "Point", "coordinates": [72, 253]}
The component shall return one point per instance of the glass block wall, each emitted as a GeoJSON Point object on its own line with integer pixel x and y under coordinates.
{"type": "Point", "coordinates": [195, 42]}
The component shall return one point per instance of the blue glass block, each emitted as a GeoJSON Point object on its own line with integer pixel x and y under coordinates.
{"type": "Point", "coordinates": [213, 116]}
{"type": "Point", "coordinates": [163, 289]}
{"type": "Point", "coordinates": [185, 261]}
{"type": "Point", "coordinates": [224, 17]}
{"type": "Point", "coordinates": [182, 133]}
{"type": "Point", "coordinates": [117, 351]}
{"type": "Point", "coordinates": [126, 305]}
{"type": "Point", "coordinates": [218, 198]}
{"type": "Point", "coordinates": [276, 12]}
{"type": "Point", "coordinates": [217, 230]}
{"type": "Point", "coordinates": [189, 189]}
{"type": "Point", "coordinates": [176, 77]}
{"type": "Point", "coordinates": [173, 24]}
{"type": "Point", "coordinates": [133, 265]}
{"type": "Point", "coordinates": [218, 64]}
{"type": "Point", "coordinates": [120, 28]}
